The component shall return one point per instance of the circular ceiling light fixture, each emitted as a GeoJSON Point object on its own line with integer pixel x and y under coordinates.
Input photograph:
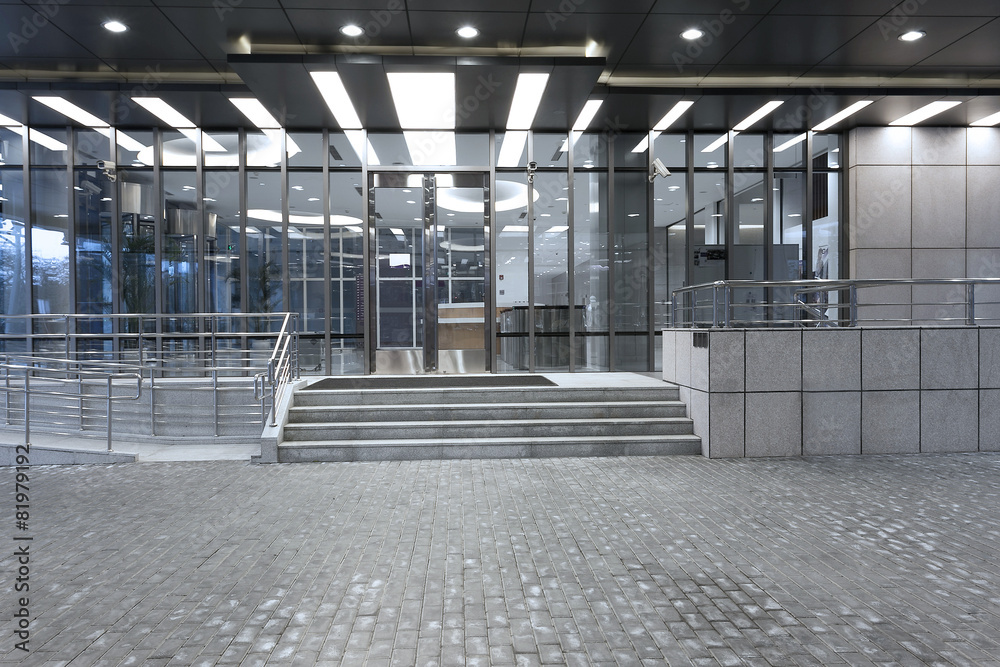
{"type": "Point", "coordinates": [693, 33]}
{"type": "Point", "coordinates": [468, 32]}
{"type": "Point", "coordinates": [115, 26]}
{"type": "Point", "coordinates": [912, 36]}
{"type": "Point", "coordinates": [352, 30]}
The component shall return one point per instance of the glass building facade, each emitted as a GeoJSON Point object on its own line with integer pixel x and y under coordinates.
{"type": "Point", "coordinates": [413, 252]}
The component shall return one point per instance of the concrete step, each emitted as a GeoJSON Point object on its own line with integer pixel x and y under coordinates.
{"type": "Point", "coordinates": [443, 396]}
{"type": "Point", "coordinates": [487, 411]}
{"type": "Point", "coordinates": [499, 447]}
{"type": "Point", "coordinates": [474, 430]}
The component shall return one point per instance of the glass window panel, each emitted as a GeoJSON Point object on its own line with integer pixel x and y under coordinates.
{"type": "Point", "coordinates": [346, 252]}
{"type": "Point", "coordinates": [631, 285]}
{"type": "Point", "coordinates": [11, 147]}
{"type": "Point", "coordinates": [137, 235]}
{"type": "Point", "coordinates": [788, 204]}
{"type": "Point", "coordinates": [748, 151]}
{"type": "Point", "coordinates": [748, 259]}
{"type": "Point", "coordinates": [550, 150]}
{"type": "Point", "coordinates": [94, 208]}
{"type": "Point", "coordinates": [221, 149]}
{"type": "Point", "coordinates": [264, 148]}
{"type": "Point", "coordinates": [709, 242]}
{"type": "Point", "coordinates": [590, 268]}
{"type": "Point", "coordinates": [826, 151]}
{"type": "Point", "coordinates": [512, 271]}
{"type": "Point", "coordinates": [222, 240]}
{"type": "Point", "coordinates": [131, 154]}
{"type": "Point", "coordinates": [48, 146]}
{"type": "Point", "coordinates": [342, 151]}
{"type": "Point", "coordinates": [473, 148]}
{"type": "Point", "coordinates": [181, 226]}
{"type": "Point", "coordinates": [790, 156]}
{"type": "Point", "coordinates": [624, 154]}
{"type": "Point", "coordinates": [177, 149]}
{"type": "Point", "coordinates": [263, 242]}
{"type": "Point", "coordinates": [512, 149]}
{"type": "Point", "coordinates": [13, 262]}
{"type": "Point", "coordinates": [306, 255]}
{"type": "Point", "coordinates": [669, 260]}
{"type": "Point", "coordinates": [90, 147]}
{"type": "Point", "coordinates": [551, 273]}
{"type": "Point", "coordinates": [590, 150]}
{"type": "Point", "coordinates": [714, 159]}
{"type": "Point", "coordinates": [50, 241]}
{"type": "Point", "coordinates": [305, 149]}
{"type": "Point", "coordinates": [825, 255]}
{"type": "Point", "coordinates": [671, 149]}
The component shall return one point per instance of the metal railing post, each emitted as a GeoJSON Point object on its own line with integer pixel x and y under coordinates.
{"type": "Point", "coordinates": [109, 411]}
{"type": "Point", "coordinates": [970, 304]}
{"type": "Point", "coordinates": [715, 305]}
{"type": "Point", "coordinates": [727, 305]}
{"type": "Point", "coordinates": [215, 397]}
{"type": "Point", "coordinates": [853, 308]}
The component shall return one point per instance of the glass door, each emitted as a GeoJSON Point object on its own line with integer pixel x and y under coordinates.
{"type": "Point", "coordinates": [430, 262]}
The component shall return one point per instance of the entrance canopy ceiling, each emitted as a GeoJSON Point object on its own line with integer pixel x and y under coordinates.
{"type": "Point", "coordinates": [816, 57]}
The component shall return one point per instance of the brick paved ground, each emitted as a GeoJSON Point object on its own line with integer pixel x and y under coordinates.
{"type": "Point", "coordinates": [892, 560]}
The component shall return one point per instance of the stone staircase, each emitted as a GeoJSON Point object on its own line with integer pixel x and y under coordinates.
{"type": "Point", "coordinates": [376, 424]}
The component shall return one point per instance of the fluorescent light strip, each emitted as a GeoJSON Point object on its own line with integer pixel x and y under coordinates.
{"type": "Point", "coordinates": [527, 96]}
{"type": "Point", "coordinates": [748, 122]}
{"type": "Point", "coordinates": [43, 139]}
{"type": "Point", "coordinates": [122, 139]}
{"type": "Point", "coordinates": [71, 111]}
{"type": "Point", "coordinates": [718, 143]}
{"type": "Point", "coordinates": [255, 112]}
{"type": "Point", "coordinates": [423, 100]}
{"type": "Point", "coordinates": [791, 142]}
{"type": "Point", "coordinates": [587, 114]}
{"type": "Point", "coordinates": [989, 121]}
{"type": "Point", "coordinates": [164, 112]}
{"type": "Point", "coordinates": [925, 112]}
{"type": "Point", "coordinates": [668, 119]}
{"type": "Point", "coordinates": [336, 98]}
{"type": "Point", "coordinates": [841, 115]}
{"type": "Point", "coordinates": [512, 148]}
{"type": "Point", "coordinates": [8, 122]}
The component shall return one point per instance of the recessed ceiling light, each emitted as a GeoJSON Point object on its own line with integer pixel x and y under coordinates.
{"type": "Point", "coordinates": [925, 112]}
{"type": "Point", "coordinates": [693, 33]}
{"type": "Point", "coordinates": [527, 96]}
{"type": "Point", "coordinates": [468, 32]}
{"type": "Point", "coordinates": [336, 98]}
{"type": "Point", "coordinates": [841, 115]}
{"type": "Point", "coordinates": [912, 36]}
{"type": "Point", "coordinates": [352, 30]}
{"type": "Point", "coordinates": [115, 26]}
{"type": "Point", "coordinates": [757, 115]}
{"type": "Point", "coordinates": [791, 142]}
{"type": "Point", "coordinates": [989, 121]}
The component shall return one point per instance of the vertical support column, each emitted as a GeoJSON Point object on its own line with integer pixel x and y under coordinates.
{"type": "Point", "coordinates": [327, 251]}
{"type": "Point", "coordinates": [489, 289]}
{"type": "Point", "coordinates": [650, 263]}
{"type": "Point", "coordinates": [430, 275]}
{"type": "Point", "coordinates": [612, 255]}
{"type": "Point", "coordinates": [286, 300]}
{"type": "Point", "coordinates": [769, 223]}
{"type": "Point", "coordinates": [689, 225]}
{"type": "Point", "coordinates": [244, 243]}
{"type": "Point", "coordinates": [29, 297]}
{"type": "Point", "coordinates": [370, 264]}
{"type": "Point", "coordinates": [531, 258]}
{"type": "Point", "coordinates": [571, 251]}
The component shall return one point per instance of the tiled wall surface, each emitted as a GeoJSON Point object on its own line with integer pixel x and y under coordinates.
{"type": "Point", "coordinates": [924, 203]}
{"type": "Point", "coordinates": [827, 391]}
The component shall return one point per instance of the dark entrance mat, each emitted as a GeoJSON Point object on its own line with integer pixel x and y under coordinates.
{"type": "Point", "coordinates": [432, 382]}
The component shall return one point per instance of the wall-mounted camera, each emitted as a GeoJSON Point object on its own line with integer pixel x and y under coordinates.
{"type": "Point", "coordinates": [659, 169]}
{"type": "Point", "coordinates": [107, 167]}
{"type": "Point", "coordinates": [532, 166]}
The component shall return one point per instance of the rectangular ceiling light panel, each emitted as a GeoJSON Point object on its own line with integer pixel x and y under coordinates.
{"type": "Point", "coordinates": [255, 112]}
{"type": "Point", "coordinates": [424, 100]}
{"type": "Point", "coordinates": [71, 111]}
{"type": "Point", "coordinates": [527, 96]}
{"type": "Point", "coordinates": [841, 115]}
{"type": "Point", "coordinates": [336, 98]}
{"type": "Point", "coordinates": [924, 112]}
{"type": "Point", "coordinates": [749, 121]}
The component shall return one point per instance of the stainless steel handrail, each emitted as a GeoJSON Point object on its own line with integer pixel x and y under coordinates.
{"type": "Point", "coordinates": [283, 365]}
{"type": "Point", "coordinates": [717, 298]}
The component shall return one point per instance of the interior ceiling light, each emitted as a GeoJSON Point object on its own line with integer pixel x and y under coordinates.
{"type": "Point", "coordinates": [424, 100]}
{"type": "Point", "coordinates": [748, 122]}
{"type": "Point", "coordinates": [73, 112]}
{"type": "Point", "coordinates": [912, 36]}
{"type": "Point", "coordinates": [586, 115]}
{"type": "Point", "coordinates": [114, 26]}
{"type": "Point", "coordinates": [791, 142]}
{"type": "Point", "coordinates": [336, 98]}
{"type": "Point", "coordinates": [512, 148]}
{"type": "Point", "coordinates": [668, 119]}
{"type": "Point", "coordinates": [255, 112]}
{"type": "Point", "coordinates": [527, 96]}
{"type": "Point", "coordinates": [989, 121]}
{"type": "Point", "coordinates": [925, 112]}
{"type": "Point", "coordinates": [352, 30]}
{"type": "Point", "coordinates": [468, 32]}
{"type": "Point", "coordinates": [178, 121]}
{"type": "Point", "coordinates": [693, 34]}
{"type": "Point", "coordinates": [841, 115]}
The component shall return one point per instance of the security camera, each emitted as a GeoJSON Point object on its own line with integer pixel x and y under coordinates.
{"type": "Point", "coordinates": [105, 164]}
{"type": "Point", "coordinates": [658, 170]}
{"type": "Point", "coordinates": [532, 166]}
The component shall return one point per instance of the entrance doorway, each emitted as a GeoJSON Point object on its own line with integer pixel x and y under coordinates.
{"type": "Point", "coordinates": [430, 259]}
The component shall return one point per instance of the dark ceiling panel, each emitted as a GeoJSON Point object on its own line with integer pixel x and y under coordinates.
{"type": "Point", "coordinates": [612, 32]}
{"type": "Point", "coordinates": [84, 25]}
{"type": "Point", "coordinates": [564, 8]}
{"type": "Point", "coordinates": [215, 39]}
{"type": "Point", "coordinates": [29, 34]}
{"type": "Point", "coordinates": [713, 7]}
{"type": "Point", "coordinates": [962, 8]}
{"type": "Point", "coordinates": [981, 46]}
{"type": "Point", "coordinates": [658, 43]}
{"type": "Point", "coordinates": [497, 29]}
{"type": "Point", "coordinates": [874, 8]}
{"type": "Point", "coordinates": [567, 91]}
{"type": "Point", "coordinates": [466, 5]}
{"type": "Point", "coordinates": [879, 46]}
{"type": "Point", "coordinates": [484, 94]}
{"type": "Point", "coordinates": [801, 45]}
{"type": "Point", "coordinates": [285, 89]}
{"type": "Point", "coordinates": [321, 27]}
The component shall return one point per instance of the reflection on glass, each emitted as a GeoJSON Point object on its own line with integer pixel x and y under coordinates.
{"type": "Point", "coordinates": [13, 262]}
{"type": "Point", "coordinates": [669, 233]}
{"type": "Point", "coordinates": [512, 275]}
{"type": "Point", "coordinates": [671, 149]}
{"type": "Point", "coordinates": [551, 246]}
{"type": "Point", "coordinates": [590, 150]}
{"type": "Point", "coordinates": [710, 150]}
{"type": "Point", "coordinates": [346, 259]}
{"type": "Point", "coordinates": [11, 147]}
{"type": "Point", "coordinates": [263, 243]}
{"type": "Point", "coordinates": [50, 241]}
{"type": "Point", "coordinates": [181, 227]}
{"type": "Point", "coordinates": [90, 147]}
{"type": "Point", "coordinates": [137, 234]}
{"type": "Point", "coordinates": [590, 269]}
{"type": "Point", "coordinates": [222, 240]}
{"type": "Point", "coordinates": [748, 151]}
{"type": "Point", "coordinates": [94, 206]}
{"type": "Point", "coordinates": [306, 258]}
{"type": "Point", "coordinates": [631, 285]}
{"type": "Point", "coordinates": [550, 150]}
